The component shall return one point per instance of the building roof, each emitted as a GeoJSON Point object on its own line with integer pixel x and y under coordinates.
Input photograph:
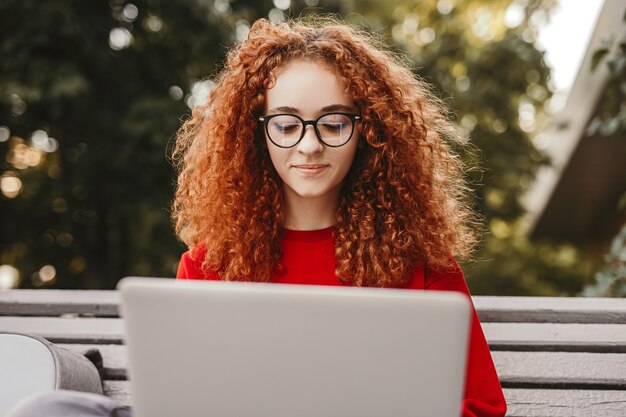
{"type": "Point", "coordinates": [576, 197]}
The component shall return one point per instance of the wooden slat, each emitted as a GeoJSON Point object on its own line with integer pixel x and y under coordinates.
{"type": "Point", "coordinates": [516, 369]}
{"type": "Point", "coordinates": [68, 330]}
{"type": "Point", "coordinates": [551, 309]}
{"type": "Point", "coordinates": [561, 370]}
{"type": "Point", "coordinates": [521, 402]}
{"type": "Point", "coordinates": [59, 302]}
{"type": "Point", "coordinates": [565, 403]}
{"type": "Point", "coordinates": [490, 308]}
{"type": "Point", "coordinates": [607, 338]}
{"type": "Point", "coordinates": [610, 338]}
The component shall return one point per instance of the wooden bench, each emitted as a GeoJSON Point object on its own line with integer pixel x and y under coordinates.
{"type": "Point", "coordinates": [555, 356]}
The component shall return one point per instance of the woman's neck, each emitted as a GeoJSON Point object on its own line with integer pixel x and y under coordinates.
{"type": "Point", "coordinates": [309, 213]}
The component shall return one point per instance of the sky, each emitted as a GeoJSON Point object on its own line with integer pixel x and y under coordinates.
{"type": "Point", "coordinates": [566, 36]}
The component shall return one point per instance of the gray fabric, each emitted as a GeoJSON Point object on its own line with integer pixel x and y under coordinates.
{"type": "Point", "coordinates": [69, 404]}
{"type": "Point", "coordinates": [73, 371]}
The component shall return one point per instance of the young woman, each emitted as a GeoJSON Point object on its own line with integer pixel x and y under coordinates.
{"type": "Point", "coordinates": [321, 159]}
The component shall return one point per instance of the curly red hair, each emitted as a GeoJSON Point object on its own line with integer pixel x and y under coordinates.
{"type": "Point", "coordinates": [402, 203]}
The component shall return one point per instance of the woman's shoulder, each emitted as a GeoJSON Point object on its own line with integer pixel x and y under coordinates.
{"type": "Point", "coordinates": [191, 264]}
{"type": "Point", "coordinates": [449, 278]}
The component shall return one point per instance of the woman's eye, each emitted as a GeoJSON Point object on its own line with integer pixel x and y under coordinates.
{"type": "Point", "coordinates": [286, 127]}
{"type": "Point", "coordinates": [334, 126]}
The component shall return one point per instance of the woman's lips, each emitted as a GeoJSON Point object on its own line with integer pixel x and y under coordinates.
{"type": "Point", "coordinates": [310, 169]}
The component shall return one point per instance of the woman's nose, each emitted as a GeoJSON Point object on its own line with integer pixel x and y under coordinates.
{"type": "Point", "coordinates": [310, 143]}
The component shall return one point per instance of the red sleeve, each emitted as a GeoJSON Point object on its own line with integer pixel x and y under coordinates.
{"type": "Point", "coordinates": [184, 267]}
{"type": "Point", "coordinates": [483, 392]}
{"type": "Point", "coordinates": [190, 265]}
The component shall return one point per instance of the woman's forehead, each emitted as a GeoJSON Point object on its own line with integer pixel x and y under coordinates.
{"type": "Point", "coordinates": [306, 86]}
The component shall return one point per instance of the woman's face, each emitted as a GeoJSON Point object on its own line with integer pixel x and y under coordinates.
{"type": "Point", "coordinates": [311, 170]}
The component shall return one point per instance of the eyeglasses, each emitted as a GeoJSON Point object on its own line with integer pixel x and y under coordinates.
{"type": "Point", "coordinates": [287, 130]}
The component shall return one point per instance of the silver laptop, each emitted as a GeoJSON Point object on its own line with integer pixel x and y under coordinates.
{"type": "Point", "coordinates": [222, 349]}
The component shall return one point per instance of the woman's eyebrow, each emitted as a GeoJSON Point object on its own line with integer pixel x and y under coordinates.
{"type": "Point", "coordinates": [338, 107]}
{"type": "Point", "coordinates": [284, 109]}
{"type": "Point", "coordinates": [332, 107]}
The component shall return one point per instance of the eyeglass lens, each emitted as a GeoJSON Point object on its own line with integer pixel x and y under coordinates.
{"type": "Point", "coordinates": [286, 130]}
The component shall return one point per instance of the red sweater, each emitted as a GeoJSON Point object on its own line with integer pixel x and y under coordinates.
{"type": "Point", "coordinates": [309, 258]}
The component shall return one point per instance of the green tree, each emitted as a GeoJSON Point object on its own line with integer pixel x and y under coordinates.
{"type": "Point", "coordinates": [92, 95]}
{"type": "Point", "coordinates": [90, 100]}
{"type": "Point", "coordinates": [482, 58]}
{"type": "Point", "coordinates": [106, 82]}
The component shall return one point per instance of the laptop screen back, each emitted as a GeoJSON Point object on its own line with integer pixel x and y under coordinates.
{"type": "Point", "coordinates": [275, 350]}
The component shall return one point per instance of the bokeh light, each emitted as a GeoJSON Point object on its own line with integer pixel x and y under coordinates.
{"type": "Point", "coordinates": [18, 106]}
{"type": "Point", "coordinates": [427, 35]}
{"type": "Point", "coordinates": [514, 15]}
{"type": "Point", "coordinates": [10, 184]}
{"type": "Point", "coordinates": [130, 12]}
{"type": "Point", "coordinates": [276, 15]}
{"type": "Point", "coordinates": [59, 205]}
{"type": "Point", "coordinates": [47, 274]}
{"type": "Point", "coordinates": [468, 122]}
{"type": "Point", "coordinates": [9, 277]}
{"type": "Point", "coordinates": [199, 93]}
{"type": "Point", "coordinates": [153, 23]}
{"type": "Point", "coordinates": [282, 4]}
{"type": "Point", "coordinates": [499, 228]}
{"type": "Point", "coordinates": [483, 27]}
{"type": "Point", "coordinates": [445, 6]}
{"type": "Point", "coordinates": [241, 30]}
{"type": "Point", "coordinates": [77, 265]}
{"type": "Point", "coordinates": [411, 24]}
{"type": "Point", "coordinates": [463, 83]}
{"type": "Point", "coordinates": [5, 133]}
{"type": "Point", "coordinates": [527, 116]}
{"type": "Point", "coordinates": [40, 140]}
{"type": "Point", "coordinates": [64, 240]}
{"type": "Point", "coordinates": [221, 6]}
{"type": "Point", "coordinates": [175, 92]}
{"type": "Point", "coordinates": [120, 38]}
{"type": "Point", "coordinates": [21, 156]}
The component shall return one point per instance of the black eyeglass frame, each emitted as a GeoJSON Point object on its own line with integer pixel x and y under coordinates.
{"type": "Point", "coordinates": [265, 119]}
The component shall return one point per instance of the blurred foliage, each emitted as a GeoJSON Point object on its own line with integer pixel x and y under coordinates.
{"type": "Point", "coordinates": [611, 117]}
{"type": "Point", "coordinates": [610, 121]}
{"type": "Point", "coordinates": [482, 55]}
{"type": "Point", "coordinates": [611, 279]}
{"type": "Point", "coordinates": [92, 94]}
